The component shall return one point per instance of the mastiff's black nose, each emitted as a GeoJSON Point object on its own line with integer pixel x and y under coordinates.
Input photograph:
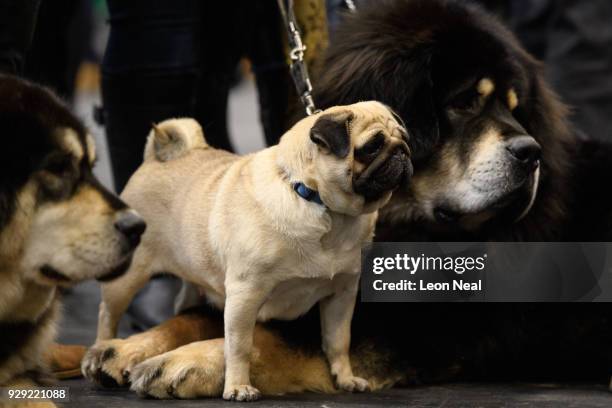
{"type": "Point", "coordinates": [524, 149]}
{"type": "Point", "coordinates": [132, 226]}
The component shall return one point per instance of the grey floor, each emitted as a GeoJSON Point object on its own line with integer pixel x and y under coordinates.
{"type": "Point", "coordinates": [450, 396]}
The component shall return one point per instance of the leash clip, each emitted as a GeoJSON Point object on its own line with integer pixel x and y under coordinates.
{"type": "Point", "coordinates": [297, 52]}
{"type": "Point", "coordinates": [350, 4]}
{"type": "Point", "coordinates": [297, 68]}
{"type": "Point", "coordinates": [308, 102]}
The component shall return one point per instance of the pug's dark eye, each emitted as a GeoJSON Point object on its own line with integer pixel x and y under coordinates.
{"type": "Point", "coordinates": [370, 149]}
{"type": "Point", "coordinates": [374, 144]}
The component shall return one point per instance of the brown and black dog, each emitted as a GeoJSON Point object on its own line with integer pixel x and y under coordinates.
{"type": "Point", "coordinates": [58, 224]}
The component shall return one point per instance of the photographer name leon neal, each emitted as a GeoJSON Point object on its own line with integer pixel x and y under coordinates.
{"type": "Point", "coordinates": [423, 286]}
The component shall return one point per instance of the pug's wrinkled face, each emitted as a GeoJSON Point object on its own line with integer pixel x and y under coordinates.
{"type": "Point", "coordinates": [358, 156]}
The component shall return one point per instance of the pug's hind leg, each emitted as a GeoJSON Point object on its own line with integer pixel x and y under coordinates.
{"type": "Point", "coordinates": [336, 316]}
{"type": "Point", "coordinates": [109, 360]}
{"type": "Point", "coordinates": [117, 294]}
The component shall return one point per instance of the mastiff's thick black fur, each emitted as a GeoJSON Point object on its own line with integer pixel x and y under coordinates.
{"type": "Point", "coordinates": [495, 158]}
{"type": "Point", "coordinates": [491, 142]}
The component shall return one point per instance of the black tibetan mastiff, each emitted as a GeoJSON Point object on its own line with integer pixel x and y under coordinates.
{"type": "Point", "coordinates": [495, 158]}
{"type": "Point", "coordinates": [494, 154]}
{"type": "Point", "coordinates": [58, 224]}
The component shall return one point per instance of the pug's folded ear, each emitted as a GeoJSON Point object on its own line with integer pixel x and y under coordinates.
{"type": "Point", "coordinates": [331, 132]}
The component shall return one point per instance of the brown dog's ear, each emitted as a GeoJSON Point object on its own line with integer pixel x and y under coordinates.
{"type": "Point", "coordinates": [331, 132]}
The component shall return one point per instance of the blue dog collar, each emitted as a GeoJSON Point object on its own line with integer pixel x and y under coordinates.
{"type": "Point", "coordinates": [307, 194]}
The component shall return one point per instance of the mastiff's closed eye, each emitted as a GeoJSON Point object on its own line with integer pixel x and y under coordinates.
{"type": "Point", "coordinates": [331, 132]}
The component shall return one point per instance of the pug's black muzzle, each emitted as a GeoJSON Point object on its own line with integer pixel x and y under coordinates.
{"type": "Point", "coordinates": [387, 172]}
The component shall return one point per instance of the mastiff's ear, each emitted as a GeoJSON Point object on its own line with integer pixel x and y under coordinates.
{"type": "Point", "coordinates": [331, 132]}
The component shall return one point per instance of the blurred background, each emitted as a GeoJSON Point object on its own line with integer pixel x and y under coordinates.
{"type": "Point", "coordinates": [123, 64]}
{"type": "Point", "coordinates": [70, 39]}
{"type": "Point", "coordinates": [81, 33]}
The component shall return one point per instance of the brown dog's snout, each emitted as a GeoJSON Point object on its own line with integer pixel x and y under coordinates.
{"type": "Point", "coordinates": [131, 225]}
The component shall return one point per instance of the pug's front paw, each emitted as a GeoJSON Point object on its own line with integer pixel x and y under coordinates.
{"type": "Point", "coordinates": [243, 392]}
{"type": "Point", "coordinates": [353, 384]}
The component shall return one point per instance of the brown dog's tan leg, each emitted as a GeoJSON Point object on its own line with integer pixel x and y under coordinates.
{"type": "Point", "coordinates": [197, 370]}
{"type": "Point", "coordinates": [110, 361]}
{"type": "Point", "coordinates": [196, 367]}
{"type": "Point", "coordinates": [64, 360]}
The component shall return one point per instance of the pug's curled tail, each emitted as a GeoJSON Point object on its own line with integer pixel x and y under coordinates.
{"type": "Point", "coordinates": [173, 138]}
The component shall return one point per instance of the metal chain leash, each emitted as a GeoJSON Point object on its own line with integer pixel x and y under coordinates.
{"type": "Point", "coordinates": [298, 68]}
{"type": "Point", "coordinates": [350, 4]}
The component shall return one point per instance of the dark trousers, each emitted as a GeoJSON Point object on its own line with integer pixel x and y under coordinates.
{"type": "Point", "coordinates": [17, 23]}
{"type": "Point", "coordinates": [45, 40]}
{"type": "Point", "coordinates": [170, 59]}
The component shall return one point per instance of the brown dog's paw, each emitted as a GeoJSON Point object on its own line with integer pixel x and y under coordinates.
{"type": "Point", "coordinates": [353, 384]}
{"type": "Point", "coordinates": [192, 371]}
{"type": "Point", "coordinates": [108, 363]}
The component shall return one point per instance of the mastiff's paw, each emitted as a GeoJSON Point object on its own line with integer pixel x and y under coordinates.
{"type": "Point", "coordinates": [241, 392]}
{"type": "Point", "coordinates": [192, 371]}
{"type": "Point", "coordinates": [353, 384]}
{"type": "Point", "coordinates": [108, 363]}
